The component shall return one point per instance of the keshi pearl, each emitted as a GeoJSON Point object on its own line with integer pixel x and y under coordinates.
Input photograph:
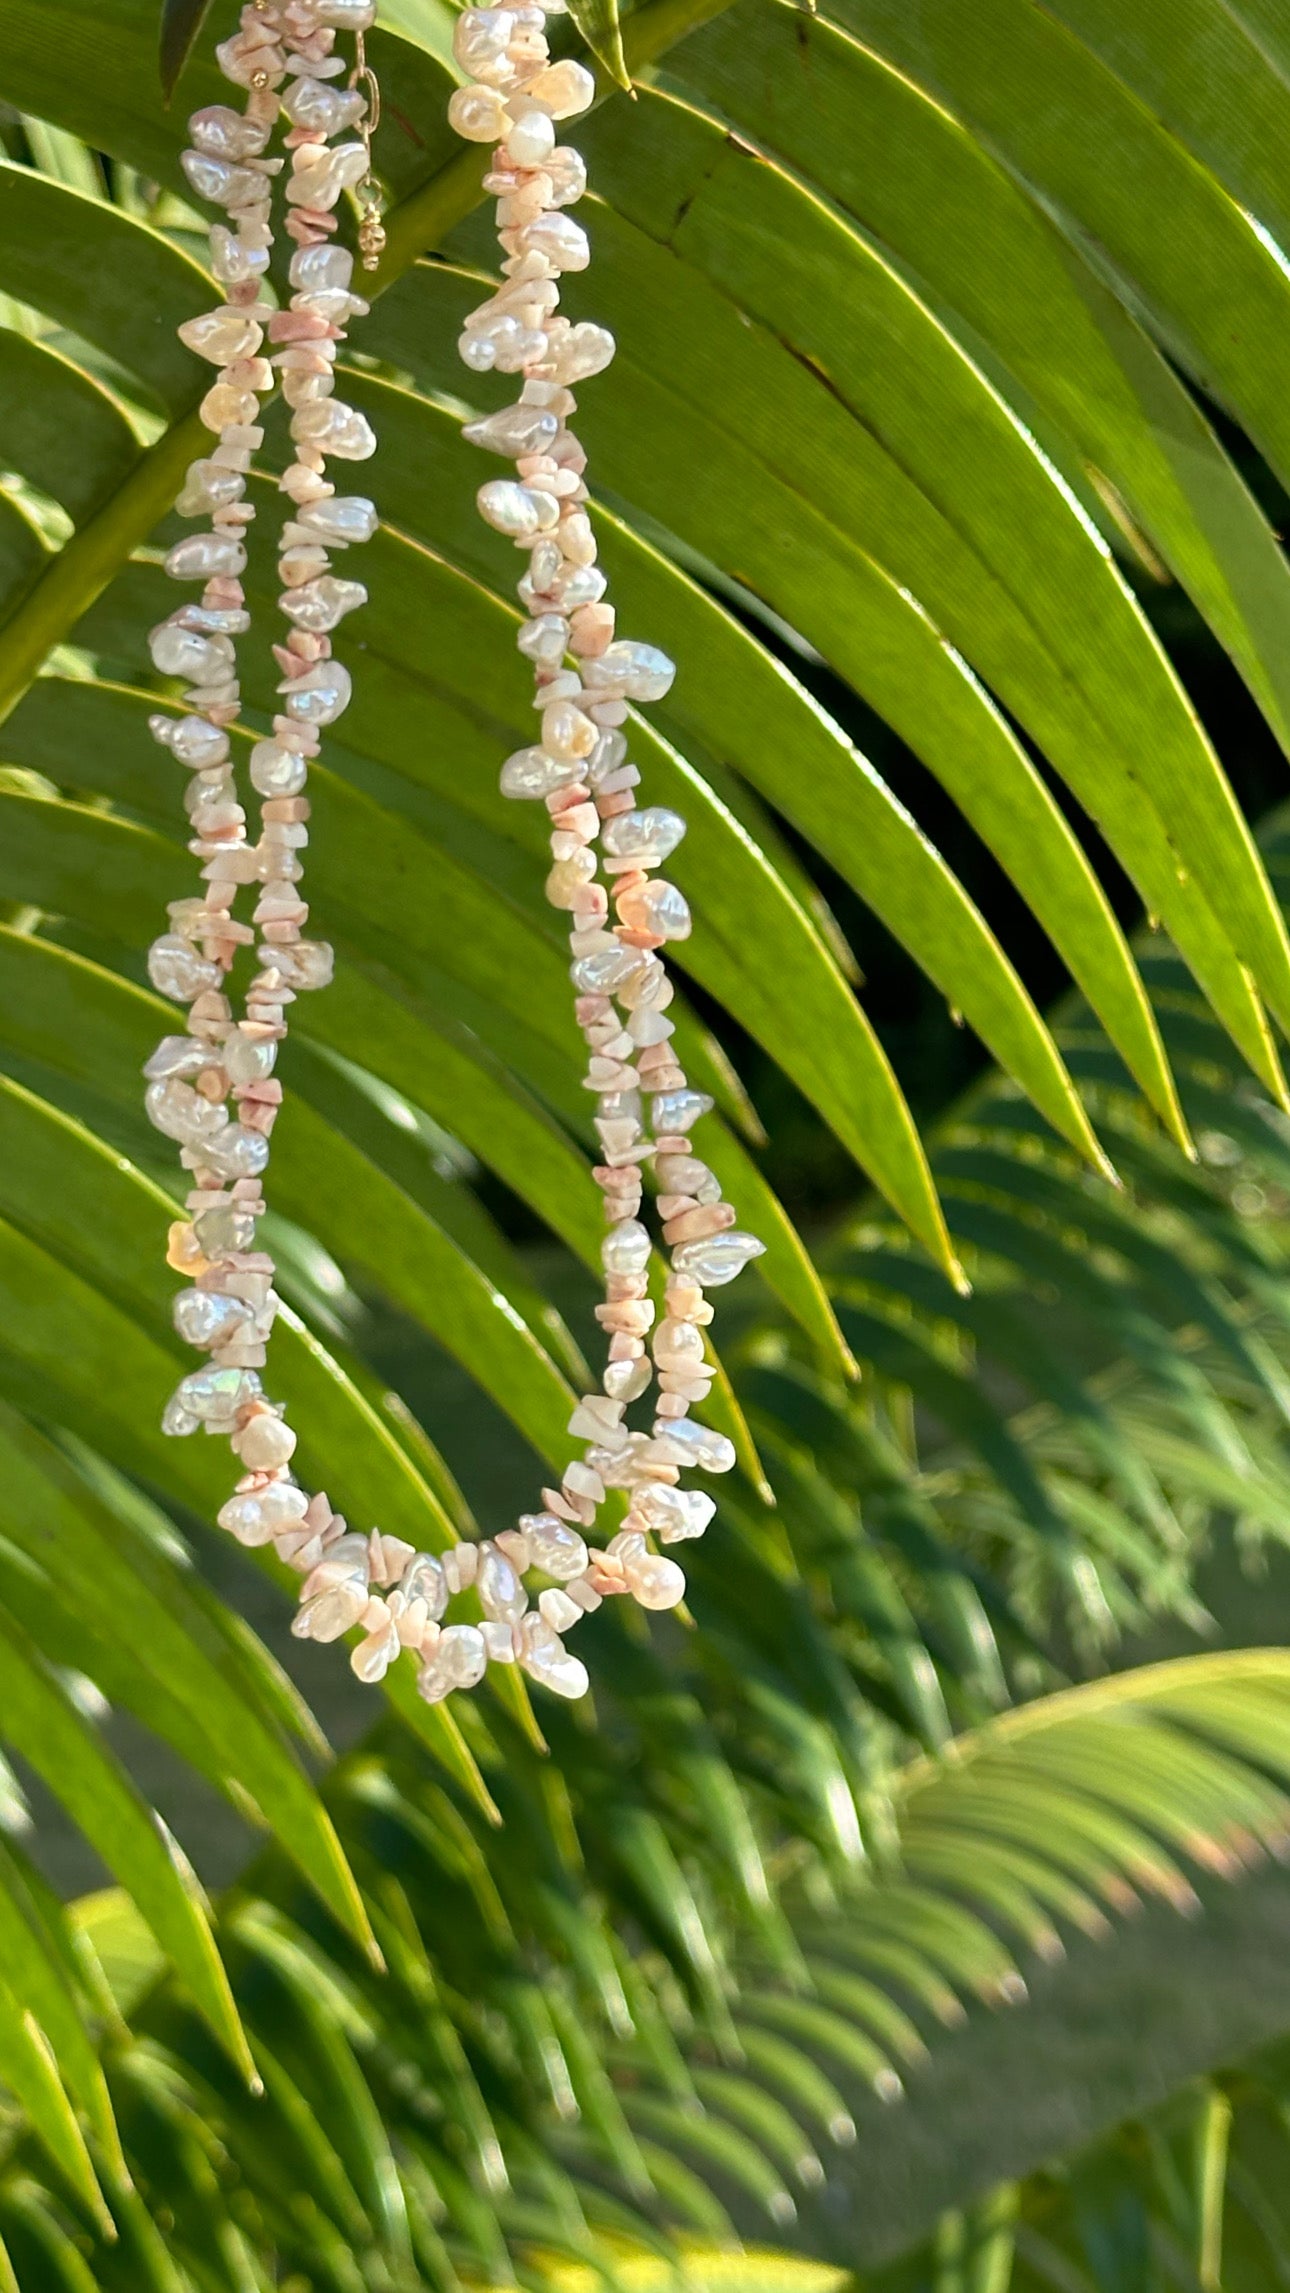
{"type": "Point", "coordinates": [514, 509]}
{"type": "Point", "coordinates": [478, 114]}
{"type": "Point", "coordinates": [480, 37]}
{"type": "Point", "coordinates": [233, 261]}
{"type": "Point", "coordinates": [237, 1153]}
{"type": "Point", "coordinates": [214, 1396]}
{"type": "Point", "coordinates": [558, 237]}
{"type": "Point", "coordinates": [328, 1615]}
{"type": "Point", "coordinates": [585, 350]}
{"type": "Point", "coordinates": [321, 184]}
{"type": "Point", "coordinates": [656, 907]}
{"type": "Point", "coordinates": [321, 695]}
{"type": "Point", "coordinates": [545, 1658]}
{"type": "Point", "coordinates": [203, 555]}
{"type": "Point", "coordinates": [222, 336]}
{"type": "Point", "coordinates": [177, 970]}
{"type": "Point", "coordinates": [247, 1058]}
{"type": "Point", "coordinates": [531, 140]}
{"type": "Point", "coordinates": [221, 181]}
{"type": "Point", "coordinates": [563, 89]}
{"type": "Point", "coordinates": [567, 174]}
{"type": "Point", "coordinates": [180, 1055]}
{"type": "Point", "coordinates": [204, 1318]}
{"type": "Point", "coordinates": [338, 429]}
{"type": "Point", "coordinates": [460, 1660]}
{"type": "Point", "coordinates": [532, 773]}
{"type": "Point", "coordinates": [323, 266]}
{"type": "Point", "coordinates": [324, 110]}
{"type": "Point", "coordinates": [340, 517]}
{"type": "Point", "coordinates": [502, 1596]}
{"type": "Point", "coordinates": [209, 486]}
{"type": "Point", "coordinates": [544, 640]}
{"type": "Point", "coordinates": [556, 1549]}
{"type": "Point", "coordinates": [677, 1343]}
{"type": "Point", "coordinates": [626, 1248]}
{"type": "Point", "coordinates": [261, 1514]}
{"type": "Point", "coordinates": [227, 134]}
{"type": "Point", "coordinates": [680, 1110]}
{"type": "Point", "coordinates": [423, 1579]}
{"type": "Point", "coordinates": [265, 1444]}
{"type": "Point", "coordinates": [656, 830]}
{"type": "Point", "coordinates": [685, 1442]}
{"type": "Point", "coordinates": [277, 771]}
{"type": "Point", "coordinates": [191, 739]}
{"type": "Point", "coordinates": [309, 964]}
{"type": "Point", "coordinates": [566, 732]}
{"type": "Point", "coordinates": [641, 671]}
{"type": "Point", "coordinates": [181, 652]}
{"type": "Point", "coordinates": [514, 430]}
{"type": "Point", "coordinates": [321, 604]}
{"type": "Point", "coordinates": [672, 1514]}
{"type": "Point", "coordinates": [717, 1258]}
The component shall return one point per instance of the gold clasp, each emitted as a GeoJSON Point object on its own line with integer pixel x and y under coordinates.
{"type": "Point", "coordinates": [371, 230]}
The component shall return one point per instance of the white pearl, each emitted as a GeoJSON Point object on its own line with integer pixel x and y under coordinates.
{"type": "Point", "coordinates": [203, 1317]}
{"type": "Point", "coordinates": [262, 1514]}
{"type": "Point", "coordinates": [322, 603]}
{"type": "Point", "coordinates": [205, 554]}
{"type": "Point", "coordinates": [641, 671]}
{"type": "Point", "coordinates": [545, 1658]}
{"type": "Point", "coordinates": [222, 182]}
{"type": "Point", "coordinates": [654, 1582]}
{"type": "Point", "coordinates": [717, 1258]}
{"type": "Point", "coordinates": [321, 695]}
{"type": "Point", "coordinates": [191, 739]}
{"type": "Point", "coordinates": [683, 1441]}
{"type": "Point", "coordinates": [180, 652]}
{"type": "Point", "coordinates": [177, 970]}
{"type": "Point", "coordinates": [340, 518]}
{"type": "Point", "coordinates": [501, 1594]}
{"type": "Point", "coordinates": [224, 133]}
{"type": "Point", "coordinates": [559, 238]}
{"type": "Point", "coordinates": [338, 429]}
{"type": "Point", "coordinates": [514, 509]}
{"type": "Point", "coordinates": [222, 335]}
{"type": "Point", "coordinates": [318, 267]}
{"type": "Point", "coordinates": [277, 771]}
{"type": "Point", "coordinates": [480, 38]}
{"type": "Point", "coordinates": [514, 430]}
{"type": "Point", "coordinates": [563, 89]}
{"type": "Point", "coordinates": [247, 1058]}
{"type": "Point", "coordinates": [566, 172]}
{"type": "Point", "coordinates": [555, 1546]}
{"type": "Point", "coordinates": [585, 350]}
{"type": "Point", "coordinates": [179, 1112]}
{"type": "Point", "coordinates": [532, 773]}
{"type": "Point", "coordinates": [325, 111]}
{"type": "Point", "coordinates": [531, 140]}
{"type": "Point", "coordinates": [656, 831]}
{"type": "Point", "coordinates": [626, 1248]}
{"type": "Point", "coordinates": [478, 114]}
{"type": "Point", "coordinates": [545, 640]}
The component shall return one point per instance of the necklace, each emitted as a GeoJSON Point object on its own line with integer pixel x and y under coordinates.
{"type": "Point", "coordinates": [579, 768]}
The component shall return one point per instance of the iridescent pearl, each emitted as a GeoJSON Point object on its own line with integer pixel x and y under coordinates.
{"type": "Point", "coordinates": [191, 739]}
{"type": "Point", "coordinates": [203, 1317]}
{"type": "Point", "coordinates": [545, 1658]}
{"type": "Point", "coordinates": [277, 771]}
{"type": "Point", "coordinates": [177, 970]}
{"type": "Point", "coordinates": [554, 1547]}
{"type": "Point", "coordinates": [321, 695]}
{"type": "Point", "coordinates": [717, 1258]}
{"type": "Point", "coordinates": [321, 604]}
{"type": "Point", "coordinates": [340, 518]}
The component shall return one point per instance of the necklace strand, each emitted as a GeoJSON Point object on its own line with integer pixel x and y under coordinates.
{"type": "Point", "coordinates": [579, 768]}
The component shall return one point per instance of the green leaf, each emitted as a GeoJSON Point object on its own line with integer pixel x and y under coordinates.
{"type": "Point", "coordinates": [181, 24]}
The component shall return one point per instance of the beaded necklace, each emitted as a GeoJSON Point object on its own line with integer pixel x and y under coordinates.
{"type": "Point", "coordinates": [579, 767]}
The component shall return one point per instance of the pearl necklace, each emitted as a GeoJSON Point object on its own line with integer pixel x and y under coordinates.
{"type": "Point", "coordinates": [579, 768]}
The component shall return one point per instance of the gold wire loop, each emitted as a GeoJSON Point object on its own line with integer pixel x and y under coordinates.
{"type": "Point", "coordinates": [371, 230]}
